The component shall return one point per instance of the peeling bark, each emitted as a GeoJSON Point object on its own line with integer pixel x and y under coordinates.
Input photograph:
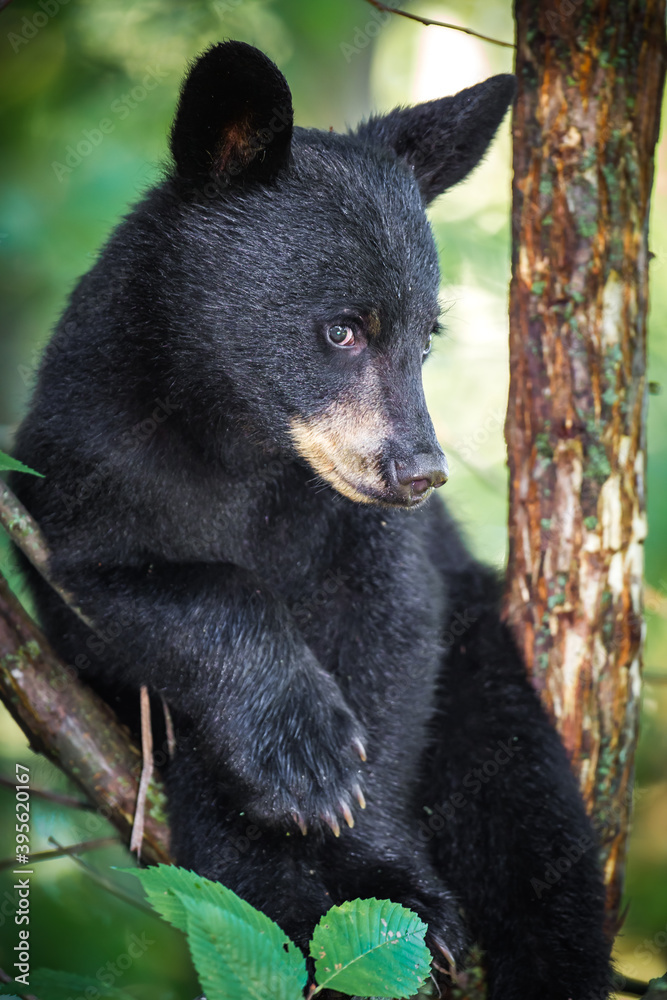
{"type": "Point", "coordinates": [68, 723]}
{"type": "Point", "coordinates": [587, 116]}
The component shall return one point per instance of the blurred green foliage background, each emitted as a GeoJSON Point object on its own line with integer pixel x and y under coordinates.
{"type": "Point", "coordinates": [66, 66]}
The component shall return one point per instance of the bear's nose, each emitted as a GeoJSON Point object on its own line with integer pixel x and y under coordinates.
{"type": "Point", "coordinates": [423, 473]}
{"type": "Point", "coordinates": [419, 486]}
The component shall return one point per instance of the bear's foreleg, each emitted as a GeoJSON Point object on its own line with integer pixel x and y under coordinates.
{"type": "Point", "coordinates": [224, 654]}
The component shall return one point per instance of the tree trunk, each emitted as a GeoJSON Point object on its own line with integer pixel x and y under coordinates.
{"type": "Point", "coordinates": [590, 78]}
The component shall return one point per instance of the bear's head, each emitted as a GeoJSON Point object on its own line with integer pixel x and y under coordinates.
{"type": "Point", "coordinates": [320, 296]}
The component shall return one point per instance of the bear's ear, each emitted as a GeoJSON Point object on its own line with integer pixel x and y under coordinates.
{"type": "Point", "coordinates": [443, 140]}
{"type": "Point", "coordinates": [234, 117]}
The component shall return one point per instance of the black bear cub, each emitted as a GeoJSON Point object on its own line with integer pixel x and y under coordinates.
{"type": "Point", "coordinates": [240, 470]}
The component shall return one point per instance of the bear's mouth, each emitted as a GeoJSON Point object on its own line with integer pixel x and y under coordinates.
{"type": "Point", "coordinates": [349, 450]}
{"type": "Point", "coordinates": [386, 498]}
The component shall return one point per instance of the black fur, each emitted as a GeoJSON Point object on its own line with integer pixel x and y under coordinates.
{"type": "Point", "coordinates": [219, 126]}
{"type": "Point", "coordinates": [443, 140]}
{"type": "Point", "coordinates": [190, 414]}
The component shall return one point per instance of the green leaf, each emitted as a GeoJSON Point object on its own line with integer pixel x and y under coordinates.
{"type": "Point", "coordinates": [162, 884]}
{"type": "Point", "coordinates": [370, 947]}
{"type": "Point", "coordinates": [192, 903]}
{"type": "Point", "coordinates": [7, 463]}
{"type": "Point", "coordinates": [236, 962]}
{"type": "Point", "coordinates": [166, 885]}
{"type": "Point", "coordinates": [64, 985]}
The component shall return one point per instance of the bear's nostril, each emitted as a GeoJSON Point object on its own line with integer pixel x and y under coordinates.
{"type": "Point", "coordinates": [420, 486]}
{"type": "Point", "coordinates": [425, 472]}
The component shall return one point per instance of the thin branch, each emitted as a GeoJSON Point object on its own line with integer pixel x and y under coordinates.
{"type": "Point", "coordinates": [169, 727]}
{"type": "Point", "coordinates": [27, 536]}
{"type": "Point", "coordinates": [61, 852]}
{"type": "Point", "coordinates": [69, 801]}
{"type": "Point", "coordinates": [109, 885]}
{"type": "Point", "coordinates": [146, 771]}
{"type": "Point", "coordinates": [438, 24]}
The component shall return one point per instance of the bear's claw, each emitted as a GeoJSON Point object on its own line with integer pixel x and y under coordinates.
{"type": "Point", "coordinates": [347, 813]}
{"type": "Point", "coordinates": [359, 796]}
{"type": "Point", "coordinates": [300, 822]}
{"type": "Point", "coordinates": [332, 823]}
{"type": "Point", "coordinates": [444, 950]}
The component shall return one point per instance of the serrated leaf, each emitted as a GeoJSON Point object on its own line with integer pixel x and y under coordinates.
{"type": "Point", "coordinates": [370, 947]}
{"type": "Point", "coordinates": [167, 885]}
{"type": "Point", "coordinates": [162, 883]}
{"type": "Point", "coordinates": [58, 985]}
{"type": "Point", "coordinates": [7, 463]}
{"type": "Point", "coordinates": [236, 962]}
{"type": "Point", "coordinates": [177, 894]}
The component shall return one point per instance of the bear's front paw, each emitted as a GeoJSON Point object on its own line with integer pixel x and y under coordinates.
{"type": "Point", "coordinates": [315, 777]}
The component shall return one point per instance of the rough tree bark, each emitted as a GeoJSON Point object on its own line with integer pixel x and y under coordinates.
{"type": "Point", "coordinates": [590, 75]}
{"type": "Point", "coordinates": [63, 718]}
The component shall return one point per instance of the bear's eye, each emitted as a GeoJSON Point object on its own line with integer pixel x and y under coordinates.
{"type": "Point", "coordinates": [341, 336]}
{"type": "Point", "coordinates": [428, 345]}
